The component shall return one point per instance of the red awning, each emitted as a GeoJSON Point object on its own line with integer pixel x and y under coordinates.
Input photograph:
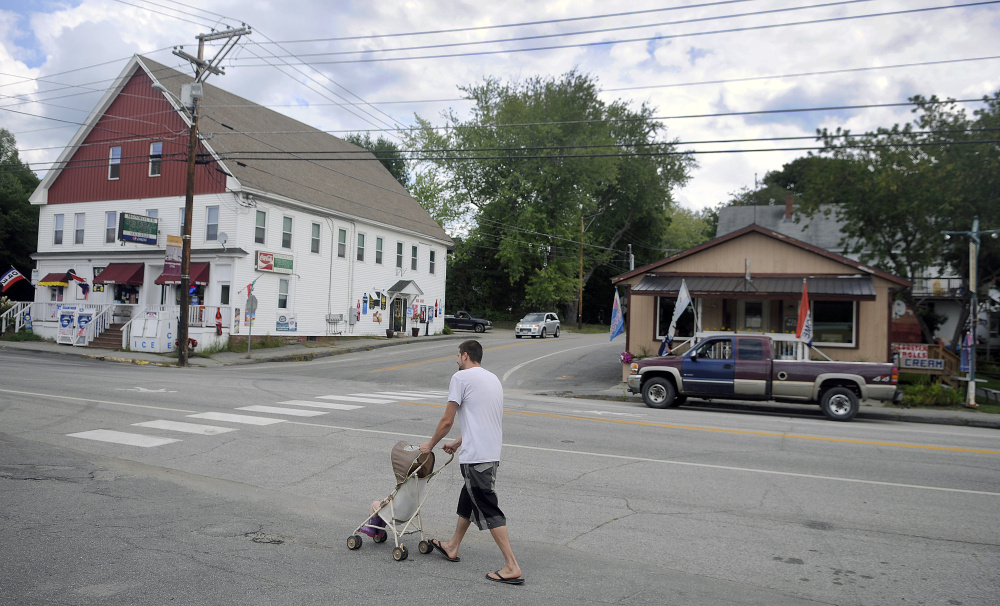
{"type": "Point", "coordinates": [199, 276]}
{"type": "Point", "coordinates": [56, 279]}
{"type": "Point", "coordinates": [121, 273]}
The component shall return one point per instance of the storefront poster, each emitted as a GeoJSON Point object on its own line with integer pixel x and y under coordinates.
{"type": "Point", "coordinates": [286, 323]}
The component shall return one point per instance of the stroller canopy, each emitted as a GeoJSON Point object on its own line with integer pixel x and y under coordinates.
{"type": "Point", "coordinates": [407, 460]}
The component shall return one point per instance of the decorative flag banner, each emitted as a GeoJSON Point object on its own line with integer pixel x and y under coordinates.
{"type": "Point", "coordinates": [10, 278]}
{"type": "Point", "coordinates": [683, 301]}
{"type": "Point", "coordinates": [804, 328]}
{"type": "Point", "coordinates": [617, 319]}
{"type": "Point", "coordinates": [71, 277]}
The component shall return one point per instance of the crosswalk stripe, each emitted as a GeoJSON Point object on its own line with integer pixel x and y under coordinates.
{"type": "Point", "coordinates": [407, 394]}
{"type": "Point", "coordinates": [361, 399]}
{"type": "Point", "coordinates": [295, 412]}
{"type": "Point", "coordinates": [328, 405]}
{"type": "Point", "coordinates": [231, 418]}
{"type": "Point", "coordinates": [205, 430]}
{"type": "Point", "coordinates": [120, 437]}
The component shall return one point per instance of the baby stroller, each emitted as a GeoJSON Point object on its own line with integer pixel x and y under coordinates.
{"type": "Point", "coordinates": [400, 511]}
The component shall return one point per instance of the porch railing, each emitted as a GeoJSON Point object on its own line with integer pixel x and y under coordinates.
{"type": "Point", "coordinates": [14, 317]}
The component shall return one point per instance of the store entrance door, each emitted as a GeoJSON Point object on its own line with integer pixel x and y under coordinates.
{"type": "Point", "coordinates": [398, 314]}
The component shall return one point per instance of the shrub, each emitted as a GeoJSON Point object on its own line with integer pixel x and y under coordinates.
{"type": "Point", "coordinates": [931, 395]}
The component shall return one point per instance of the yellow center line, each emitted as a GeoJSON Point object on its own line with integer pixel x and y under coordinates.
{"type": "Point", "coordinates": [745, 432]}
{"type": "Point", "coordinates": [451, 357]}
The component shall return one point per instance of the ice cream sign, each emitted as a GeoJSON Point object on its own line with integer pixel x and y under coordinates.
{"type": "Point", "coordinates": [275, 262]}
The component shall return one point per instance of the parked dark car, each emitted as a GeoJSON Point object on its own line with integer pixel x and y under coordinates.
{"type": "Point", "coordinates": [463, 320]}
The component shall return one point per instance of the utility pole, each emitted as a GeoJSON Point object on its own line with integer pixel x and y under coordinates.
{"type": "Point", "coordinates": [201, 71]}
{"type": "Point", "coordinates": [579, 311]}
{"type": "Point", "coordinates": [974, 243]}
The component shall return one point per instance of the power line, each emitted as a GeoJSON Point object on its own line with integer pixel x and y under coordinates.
{"type": "Point", "coordinates": [582, 33]}
{"type": "Point", "coordinates": [521, 24]}
{"type": "Point", "coordinates": [649, 39]}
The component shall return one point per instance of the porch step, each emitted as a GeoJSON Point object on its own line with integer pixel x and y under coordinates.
{"type": "Point", "coordinates": [111, 338]}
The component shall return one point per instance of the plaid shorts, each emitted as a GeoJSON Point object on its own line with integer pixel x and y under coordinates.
{"type": "Point", "coordinates": [478, 500]}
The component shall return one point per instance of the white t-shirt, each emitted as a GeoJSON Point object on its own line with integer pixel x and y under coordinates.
{"type": "Point", "coordinates": [479, 396]}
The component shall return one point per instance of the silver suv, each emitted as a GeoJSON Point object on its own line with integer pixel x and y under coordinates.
{"type": "Point", "coordinates": [538, 324]}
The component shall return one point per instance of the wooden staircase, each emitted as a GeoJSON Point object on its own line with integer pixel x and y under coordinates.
{"type": "Point", "coordinates": [111, 338]}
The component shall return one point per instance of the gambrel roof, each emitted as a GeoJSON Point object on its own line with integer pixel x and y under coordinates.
{"type": "Point", "coordinates": [262, 152]}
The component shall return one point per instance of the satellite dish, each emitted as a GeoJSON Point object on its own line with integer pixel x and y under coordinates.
{"type": "Point", "coordinates": [223, 238]}
{"type": "Point", "coordinates": [899, 309]}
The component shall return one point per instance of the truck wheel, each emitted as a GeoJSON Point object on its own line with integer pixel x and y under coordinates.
{"type": "Point", "coordinates": [480, 328]}
{"type": "Point", "coordinates": [659, 393]}
{"type": "Point", "coordinates": [839, 404]}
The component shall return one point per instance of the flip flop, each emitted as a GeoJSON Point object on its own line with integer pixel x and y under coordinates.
{"type": "Point", "coordinates": [437, 546]}
{"type": "Point", "coordinates": [500, 579]}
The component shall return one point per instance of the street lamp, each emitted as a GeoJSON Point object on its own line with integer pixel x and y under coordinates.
{"type": "Point", "coordinates": [190, 94]}
{"type": "Point", "coordinates": [974, 233]}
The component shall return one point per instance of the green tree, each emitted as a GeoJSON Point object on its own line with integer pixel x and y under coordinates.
{"type": "Point", "coordinates": [387, 152]}
{"type": "Point", "coordinates": [894, 190]}
{"type": "Point", "coordinates": [542, 165]}
{"type": "Point", "coordinates": [18, 218]}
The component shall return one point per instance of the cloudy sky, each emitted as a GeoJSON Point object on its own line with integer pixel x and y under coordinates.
{"type": "Point", "coordinates": [709, 67]}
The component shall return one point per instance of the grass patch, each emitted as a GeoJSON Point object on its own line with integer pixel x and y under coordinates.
{"type": "Point", "coordinates": [921, 391]}
{"type": "Point", "coordinates": [21, 336]}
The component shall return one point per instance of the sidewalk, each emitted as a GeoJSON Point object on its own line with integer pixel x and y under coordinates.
{"type": "Point", "coordinates": [311, 350]}
{"type": "Point", "coordinates": [296, 352]}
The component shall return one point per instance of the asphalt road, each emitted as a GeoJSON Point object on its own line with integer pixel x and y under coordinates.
{"type": "Point", "coordinates": [609, 502]}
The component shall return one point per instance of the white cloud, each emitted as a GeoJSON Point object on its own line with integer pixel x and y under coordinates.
{"type": "Point", "coordinates": [58, 42]}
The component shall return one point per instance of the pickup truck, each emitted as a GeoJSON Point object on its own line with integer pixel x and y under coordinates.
{"type": "Point", "coordinates": [742, 368]}
{"type": "Point", "coordinates": [464, 320]}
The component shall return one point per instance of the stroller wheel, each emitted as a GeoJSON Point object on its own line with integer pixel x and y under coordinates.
{"type": "Point", "coordinates": [379, 537]}
{"type": "Point", "coordinates": [399, 554]}
{"type": "Point", "coordinates": [425, 547]}
{"type": "Point", "coordinates": [354, 542]}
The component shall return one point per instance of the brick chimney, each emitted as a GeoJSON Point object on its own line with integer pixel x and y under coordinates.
{"type": "Point", "coordinates": [789, 198]}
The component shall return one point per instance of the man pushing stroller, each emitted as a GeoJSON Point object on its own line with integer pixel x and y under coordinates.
{"type": "Point", "coordinates": [475, 397]}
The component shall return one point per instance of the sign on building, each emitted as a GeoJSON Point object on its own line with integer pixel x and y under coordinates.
{"type": "Point", "coordinates": [137, 228]}
{"type": "Point", "coordinates": [274, 262]}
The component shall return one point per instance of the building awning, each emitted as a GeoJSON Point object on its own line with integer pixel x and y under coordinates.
{"type": "Point", "coordinates": [121, 273]}
{"type": "Point", "coordinates": [786, 287]}
{"type": "Point", "coordinates": [56, 279]}
{"type": "Point", "coordinates": [405, 288]}
{"type": "Point", "coordinates": [199, 275]}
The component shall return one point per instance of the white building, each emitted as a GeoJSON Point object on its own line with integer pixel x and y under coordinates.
{"type": "Point", "coordinates": [331, 241]}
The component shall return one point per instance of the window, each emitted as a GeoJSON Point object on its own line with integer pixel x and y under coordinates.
{"type": "Point", "coordinates": [260, 229]}
{"type": "Point", "coordinates": [57, 232]}
{"type": "Point", "coordinates": [378, 251]}
{"type": "Point", "coordinates": [283, 294]}
{"type": "Point", "coordinates": [342, 243]}
{"type": "Point", "coordinates": [665, 311]}
{"type": "Point", "coordinates": [430, 266]}
{"type": "Point", "coordinates": [111, 227]}
{"type": "Point", "coordinates": [80, 219]}
{"type": "Point", "coordinates": [115, 163]}
{"type": "Point", "coordinates": [399, 255]}
{"type": "Point", "coordinates": [834, 322]}
{"type": "Point", "coordinates": [286, 232]}
{"type": "Point", "coordinates": [314, 245]}
{"type": "Point", "coordinates": [155, 158]}
{"type": "Point", "coordinates": [413, 258]}
{"type": "Point", "coordinates": [212, 223]}
{"type": "Point", "coordinates": [55, 293]}
{"type": "Point", "coordinates": [361, 247]}
{"type": "Point", "coordinates": [715, 349]}
{"type": "Point", "coordinates": [750, 349]}
{"type": "Point", "coordinates": [224, 295]}
{"type": "Point", "coordinates": [152, 213]}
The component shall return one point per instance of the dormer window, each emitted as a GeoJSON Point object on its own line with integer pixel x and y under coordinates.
{"type": "Point", "coordinates": [155, 158]}
{"type": "Point", "coordinates": [115, 163]}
